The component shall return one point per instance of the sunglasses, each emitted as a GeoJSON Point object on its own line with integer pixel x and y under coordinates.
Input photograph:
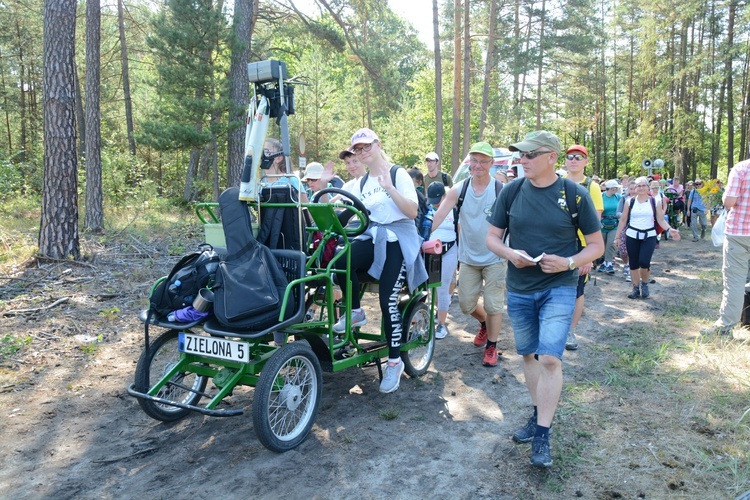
{"type": "Point", "coordinates": [358, 150]}
{"type": "Point", "coordinates": [533, 154]}
{"type": "Point", "coordinates": [575, 157]}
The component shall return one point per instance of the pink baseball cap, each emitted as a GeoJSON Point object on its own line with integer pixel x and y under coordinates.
{"type": "Point", "coordinates": [364, 136]}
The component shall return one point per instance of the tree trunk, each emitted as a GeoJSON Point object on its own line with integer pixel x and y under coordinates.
{"type": "Point", "coordinates": [94, 219]}
{"type": "Point", "coordinates": [126, 78]}
{"type": "Point", "coordinates": [22, 85]}
{"type": "Point", "coordinates": [467, 76]}
{"type": "Point", "coordinates": [488, 69]}
{"type": "Point", "coordinates": [80, 116]}
{"type": "Point", "coordinates": [540, 68]}
{"type": "Point", "coordinates": [239, 95]}
{"type": "Point", "coordinates": [58, 230]}
{"type": "Point", "coordinates": [4, 91]}
{"type": "Point", "coordinates": [730, 87]}
{"type": "Point", "coordinates": [456, 125]}
{"type": "Point", "coordinates": [438, 81]}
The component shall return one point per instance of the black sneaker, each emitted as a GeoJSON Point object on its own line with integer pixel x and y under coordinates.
{"type": "Point", "coordinates": [644, 290]}
{"type": "Point", "coordinates": [636, 293]}
{"type": "Point", "coordinates": [526, 433]}
{"type": "Point", "coordinates": [541, 455]}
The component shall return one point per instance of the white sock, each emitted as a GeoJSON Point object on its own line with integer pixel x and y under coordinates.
{"type": "Point", "coordinates": [394, 361]}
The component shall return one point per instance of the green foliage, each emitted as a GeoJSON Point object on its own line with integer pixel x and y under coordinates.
{"type": "Point", "coordinates": [10, 345]}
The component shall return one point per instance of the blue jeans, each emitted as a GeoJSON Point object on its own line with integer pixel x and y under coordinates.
{"type": "Point", "coordinates": [541, 320]}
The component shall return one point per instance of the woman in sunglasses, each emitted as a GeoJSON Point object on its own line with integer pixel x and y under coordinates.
{"type": "Point", "coordinates": [275, 174]}
{"type": "Point", "coordinates": [390, 249]}
{"type": "Point", "coordinates": [639, 219]}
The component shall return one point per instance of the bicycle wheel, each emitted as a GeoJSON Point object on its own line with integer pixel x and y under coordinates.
{"type": "Point", "coordinates": [417, 327]}
{"type": "Point", "coordinates": [183, 387]}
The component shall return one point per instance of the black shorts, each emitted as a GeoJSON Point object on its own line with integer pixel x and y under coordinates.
{"type": "Point", "coordinates": [582, 280]}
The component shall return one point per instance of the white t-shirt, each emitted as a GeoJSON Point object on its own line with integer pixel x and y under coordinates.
{"type": "Point", "coordinates": [383, 209]}
{"type": "Point", "coordinates": [446, 231]}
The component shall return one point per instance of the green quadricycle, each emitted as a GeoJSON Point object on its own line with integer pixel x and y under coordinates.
{"type": "Point", "coordinates": [174, 370]}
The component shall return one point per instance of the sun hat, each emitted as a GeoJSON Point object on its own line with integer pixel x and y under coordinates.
{"type": "Point", "coordinates": [538, 139]}
{"type": "Point", "coordinates": [611, 184]}
{"type": "Point", "coordinates": [579, 148]}
{"type": "Point", "coordinates": [364, 136]}
{"type": "Point", "coordinates": [432, 156]}
{"type": "Point", "coordinates": [482, 148]}
{"type": "Point", "coordinates": [313, 171]}
{"type": "Point", "coordinates": [435, 192]}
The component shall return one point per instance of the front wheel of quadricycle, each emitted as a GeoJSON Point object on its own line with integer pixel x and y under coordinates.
{"type": "Point", "coordinates": [183, 387]}
{"type": "Point", "coordinates": [287, 397]}
{"type": "Point", "coordinates": [417, 327]}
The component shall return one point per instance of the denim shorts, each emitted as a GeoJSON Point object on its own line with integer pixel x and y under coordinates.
{"type": "Point", "coordinates": [541, 320]}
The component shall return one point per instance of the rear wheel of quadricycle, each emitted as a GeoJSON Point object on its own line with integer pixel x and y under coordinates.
{"type": "Point", "coordinates": [417, 327]}
{"type": "Point", "coordinates": [183, 388]}
{"type": "Point", "coordinates": [287, 397]}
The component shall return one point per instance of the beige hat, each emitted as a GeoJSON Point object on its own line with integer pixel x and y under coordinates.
{"type": "Point", "coordinates": [313, 171]}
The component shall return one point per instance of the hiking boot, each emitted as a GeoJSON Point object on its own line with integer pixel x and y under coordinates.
{"type": "Point", "coordinates": [392, 377]}
{"type": "Point", "coordinates": [541, 455]}
{"type": "Point", "coordinates": [490, 356]}
{"type": "Point", "coordinates": [358, 319]}
{"type": "Point", "coordinates": [571, 344]}
{"type": "Point", "coordinates": [526, 433]}
{"type": "Point", "coordinates": [610, 269]}
{"type": "Point", "coordinates": [644, 290]}
{"type": "Point", "coordinates": [481, 338]}
{"type": "Point", "coordinates": [636, 293]}
{"type": "Point", "coordinates": [441, 332]}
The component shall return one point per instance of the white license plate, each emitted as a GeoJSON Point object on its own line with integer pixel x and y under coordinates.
{"type": "Point", "coordinates": [214, 347]}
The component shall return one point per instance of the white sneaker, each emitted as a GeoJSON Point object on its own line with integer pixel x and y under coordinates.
{"type": "Point", "coordinates": [358, 319]}
{"type": "Point", "coordinates": [441, 332]}
{"type": "Point", "coordinates": [392, 377]}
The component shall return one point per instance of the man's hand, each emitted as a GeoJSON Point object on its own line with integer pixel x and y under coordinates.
{"type": "Point", "coordinates": [553, 264]}
{"type": "Point", "coordinates": [519, 261]}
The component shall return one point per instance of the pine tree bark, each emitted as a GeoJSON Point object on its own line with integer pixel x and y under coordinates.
{"type": "Point", "coordinates": [467, 77]}
{"type": "Point", "coordinates": [126, 79]}
{"type": "Point", "coordinates": [94, 220]}
{"type": "Point", "coordinates": [488, 69]}
{"type": "Point", "coordinates": [245, 12]}
{"type": "Point", "coordinates": [58, 230]}
{"type": "Point", "coordinates": [438, 80]}
{"type": "Point", "coordinates": [730, 87]}
{"type": "Point", "coordinates": [456, 125]}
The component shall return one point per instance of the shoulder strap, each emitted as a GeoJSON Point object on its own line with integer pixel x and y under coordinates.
{"type": "Point", "coordinates": [570, 200]}
{"type": "Point", "coordinates": [362, 182]}
{"type": "Point", "coordinates": [515, 187]}
{"type": "Point", "coordinates": [587, 184]}
{"type": "Point", "coordinates": [445, 178]}
{"type": "Point", "coordinates": [630, 211]}
{"type": "Point", "coordinates": [653, 206]}
{"type": "Point", "coordinates": [461, 196]}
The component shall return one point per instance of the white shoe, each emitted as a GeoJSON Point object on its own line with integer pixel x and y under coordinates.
{"type": "Point", "coordinates": [358, 319]}
{"type": "Point", "coordinates": [392, 377]}
{"type": "Point", "coordinates": [441, 332]}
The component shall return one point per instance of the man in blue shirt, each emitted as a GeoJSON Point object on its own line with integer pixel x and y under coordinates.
{"type": "Point", "coordinates": [697, 209]}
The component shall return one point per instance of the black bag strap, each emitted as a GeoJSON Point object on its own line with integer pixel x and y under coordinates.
{"type": "Point", "coordinates": [445, 178]}
{"type": "Point", "coordinates": [394, 169]}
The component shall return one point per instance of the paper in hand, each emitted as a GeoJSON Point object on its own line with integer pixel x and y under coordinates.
{"type": "Point", "coordinates": [532, 259]}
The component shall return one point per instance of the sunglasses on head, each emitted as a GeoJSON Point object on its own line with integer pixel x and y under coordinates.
{"type": "Point", "coordinates": [533, 154]}
{"type": "Point", "coordinates": [578, 157]}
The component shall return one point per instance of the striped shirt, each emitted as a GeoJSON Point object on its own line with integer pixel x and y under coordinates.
{"type": "Point", "coordinates": [738, 185]}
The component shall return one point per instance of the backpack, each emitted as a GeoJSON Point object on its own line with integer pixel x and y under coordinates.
{"type": "Point", "coordinates": [422, 206]}
{"type": "Point", "coordinates": [194, 271]}
{"type": "Point", "coordinates": [462, 195]}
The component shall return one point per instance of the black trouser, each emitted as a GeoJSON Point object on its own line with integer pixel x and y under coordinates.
{"type": "Point", "coordinates": [391, 280]}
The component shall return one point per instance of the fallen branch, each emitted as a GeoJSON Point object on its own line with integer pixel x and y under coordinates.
{"type": "Point", "coordinates": [113, 460]}
{"type": "Point", "coordinates": [16, 312]}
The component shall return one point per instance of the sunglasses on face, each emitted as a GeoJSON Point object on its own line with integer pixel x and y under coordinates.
{"type": "Point", "coordinates": [366, 147]}
{"type": "Point", "coordinates": [698, 183]}
{"type": "Point", "coordinates": [533, 154]}
{"type": "Point", "coordinates": [575, 157]}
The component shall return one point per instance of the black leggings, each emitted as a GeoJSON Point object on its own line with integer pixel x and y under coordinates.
{"type": "Point", "coordinates": [391, 281]}
{"type": "Point", "coordinates": [640, 252]}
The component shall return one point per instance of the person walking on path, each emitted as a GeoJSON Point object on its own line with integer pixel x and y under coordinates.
{"type": "Point", "coordinates": [736, 249]}
{"type": "Point", "coordinates": [697, 208]}
{"type": "Point", "coordinates": [543, 256]}
{"type": "Point", "coordinates": [434, 174]}
{"type": "Point", "coordinates": [576, 159]}
{"type": "Point", "coordinates": [639, 219]}
{"type": "Point", "coordinates": [482, 272]}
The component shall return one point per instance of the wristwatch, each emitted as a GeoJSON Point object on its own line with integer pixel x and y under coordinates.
{"type": "Point", "coordinates": [571, 263]}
